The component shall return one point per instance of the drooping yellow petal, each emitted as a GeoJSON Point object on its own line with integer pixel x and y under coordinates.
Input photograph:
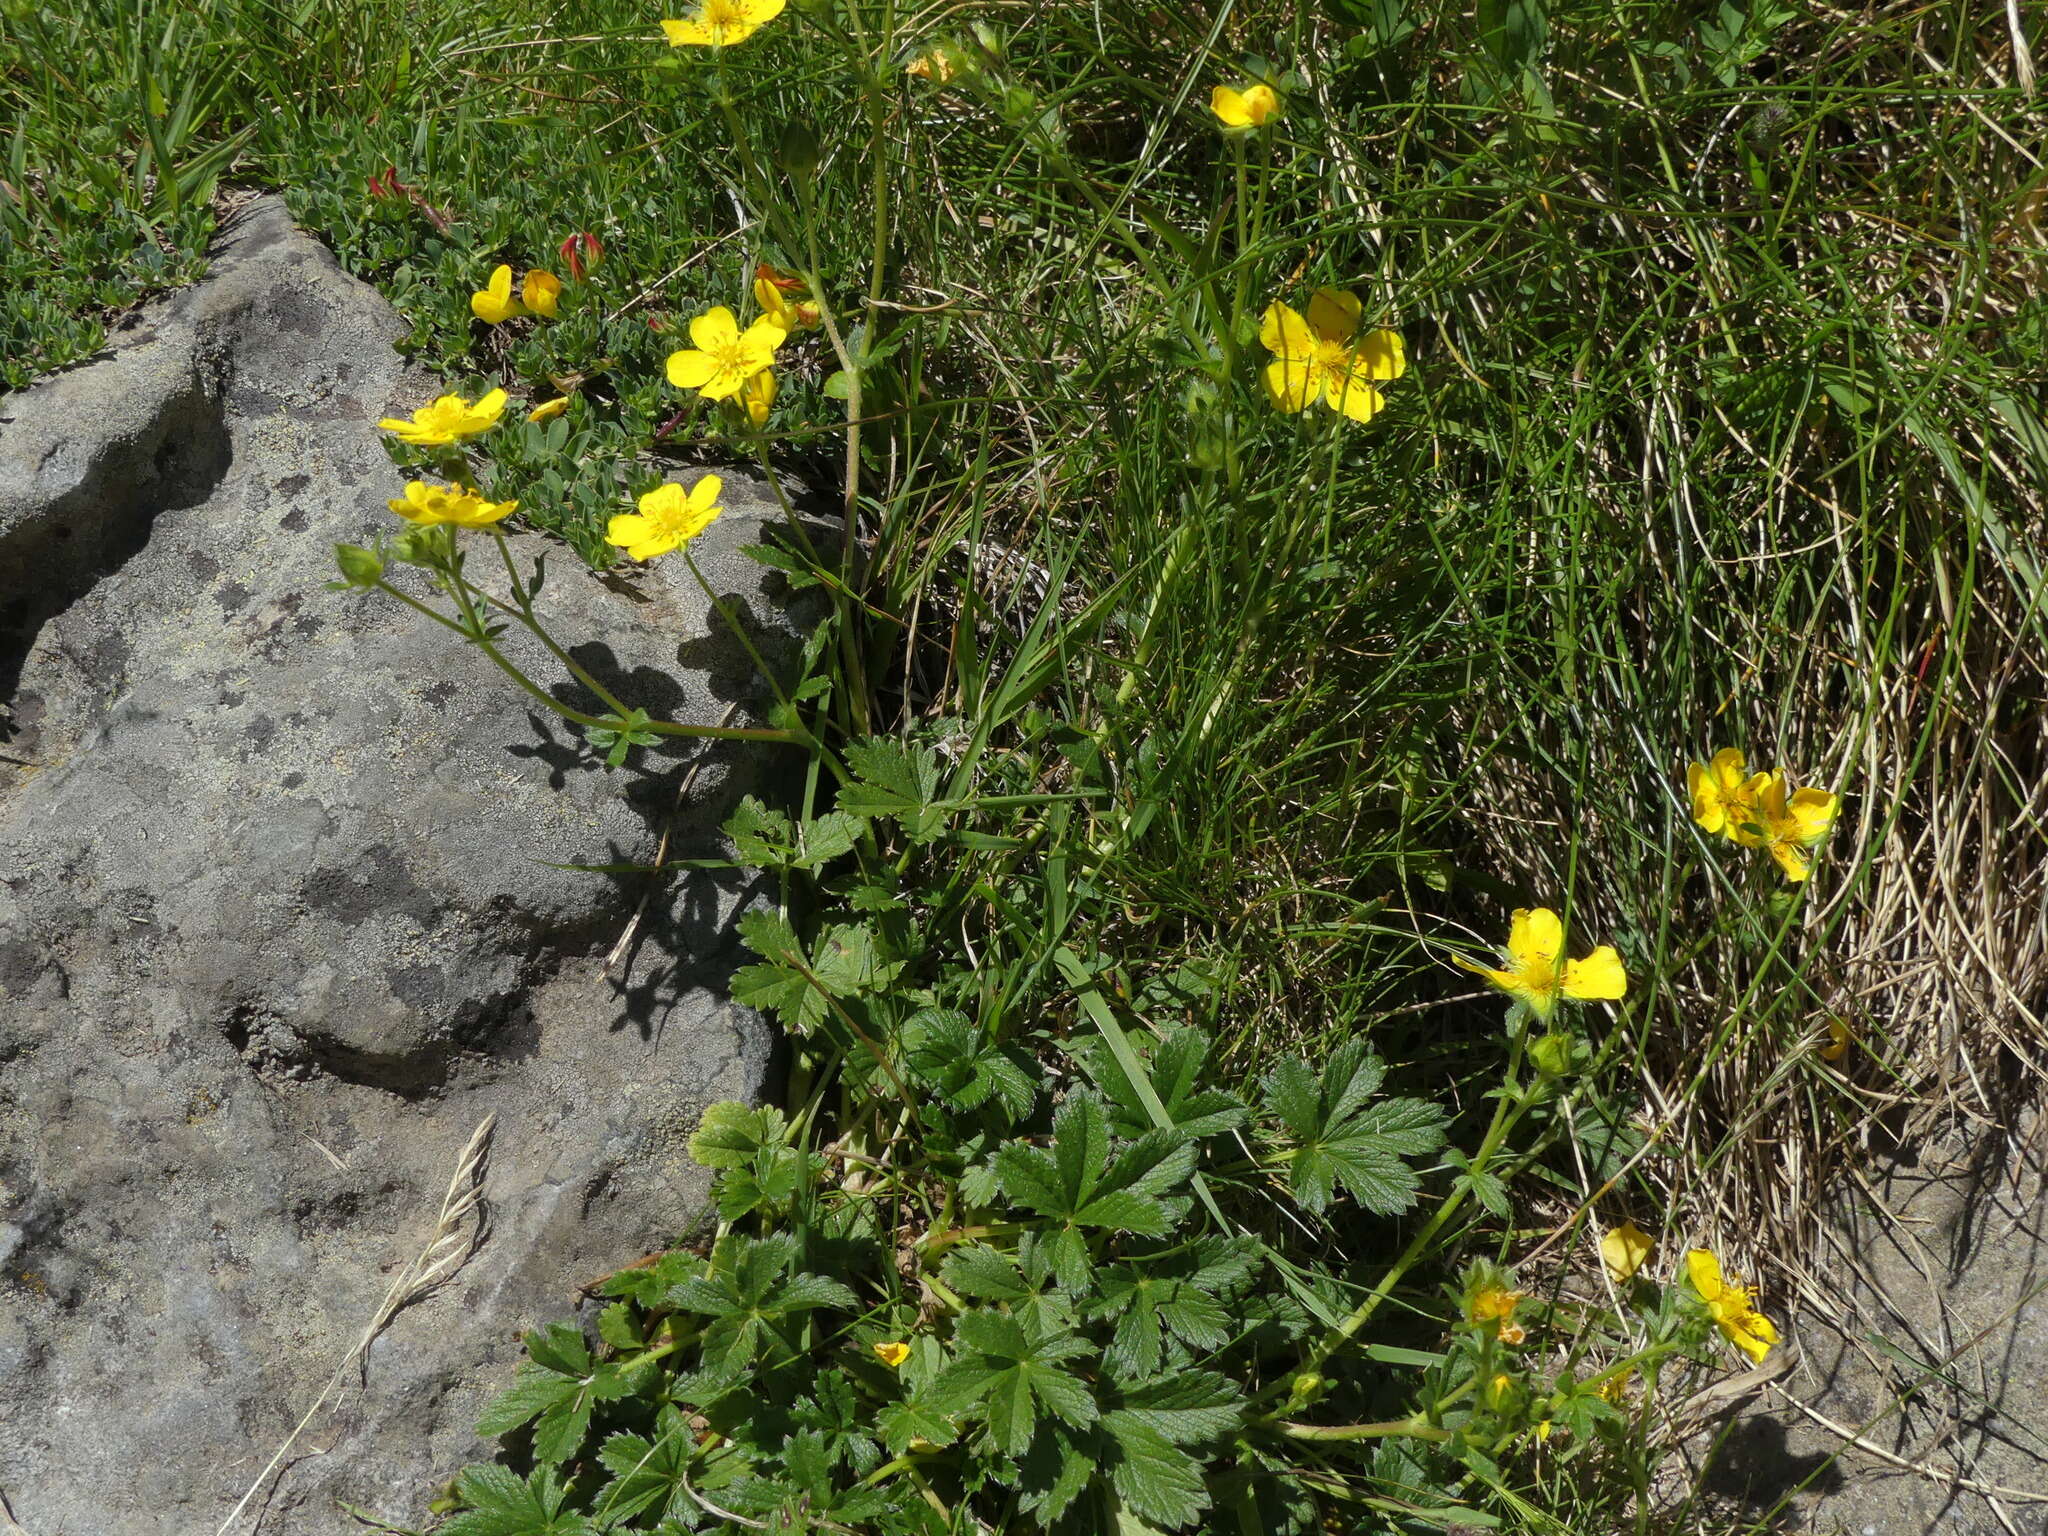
{"type": "Point", "coordinates": [1792, 860]}
{"type": "Point", "coordinates": [1597, 978]}
{"type": "Point", "coordinates": [1810, 814]}
{"type": "Point", "coordinates": [1838, 1041]}
{"type": "Point", "coordinates": [548, 410]}
{"type": "Point", "coordinates": [757, 395]}
{"type": "Point", "coordinates": [541, 292]}
{"type": "Point", "coordinates": [1624, 1250]}
{"type": "Point", "coordinates": [1535, 937]}
{"type": "Point", "coordinates": [1333, 314]}
{"type": "Point", "coordinates": [1285, 333]}
{"type": "Point", "coordinates": [1752, 1333]}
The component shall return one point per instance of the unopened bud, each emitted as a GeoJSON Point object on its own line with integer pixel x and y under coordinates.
{"type": "Point", "coordinates": [797, 154]}
{"type": "Point", "coordinates": [360, 567]}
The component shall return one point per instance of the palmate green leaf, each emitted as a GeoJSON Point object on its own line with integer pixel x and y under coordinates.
{"type": "Point", "coordinates": [1009, 1376]}
{"type": "Point", "coordinates": [501, 1503]}
{"type": "Point", "coordinates": [749, 1297]}
{"type": "Point", "coordinates": [760, 836]}
{"type": "Point", "coordinates": [1342, 1136]}
{"type": "Point", "coordinates": [947, 1050]}
{"type": "Point", "coordinates": [648, 1283]}
{"type": "Point", "coordinates": [648, 1475]}
{"type": "Point", "coordinates": [1192, 1101]}
{"type": "Point", "coordinates": [912, 1419]}
{"type": "Point", "coordinates": [776, 1177]}
{"type": "Point", "coordinates": [897, 780]}
{"type": "Point", "coordinates": [1054, 1471]}
{"type": "Point", "coordinates": [1187, 1407]}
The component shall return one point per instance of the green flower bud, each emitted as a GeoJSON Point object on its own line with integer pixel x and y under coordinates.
{"type": "Point", "coordinates": [360, 567]}
{"type": "Point", "coordinates": [798, 153]}
{"type": "Point", "coordinates": [1553, 1055]}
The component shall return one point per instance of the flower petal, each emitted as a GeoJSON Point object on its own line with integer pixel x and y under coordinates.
{"type": "Point", "coordinates": [703, 494]}
{"type": "Point", "coordinates": [1229, 107]}
{"type": "Point", "coordinates": [1535, 937]}
{"type": "Point", "coordinates": [1811, 813]}
{"type": "Point", "coordinates": [541, 292]}
{"type": "Point", "coordinates": [692, 32]}
{"type": "Point", "coordinates": [1351, 396]}
{"type": "Point", "coordinates": [1792, 860]}
{"type": "Point", "coordinates": [1333, 314]}
{"type": "Point", "coordinates": [1290, 382]}
{"type": "Point", "coordinates": [1597, 978]}
{"type": "Point", "coordinates": [486, 411]}
{"type": "Point", "coordinates": [691, 370]}
{"type": "Point", "coordinates": [715, 330]}
{"type": "Point", "coordinates": [1704, 1271]}
{"type": "Point", "coordinates": [1284, 332]}
{"type": "Point", "coordinates": [1380, 355]}
{"type": "Point", "coordinates": [1624, 1250]}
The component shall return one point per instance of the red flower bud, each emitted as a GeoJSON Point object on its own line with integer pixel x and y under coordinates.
{"type": "Point", "coordinates": [581, 249]}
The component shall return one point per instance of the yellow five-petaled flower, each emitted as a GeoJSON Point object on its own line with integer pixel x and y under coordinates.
{"type": "Point", "coordinates": [669, 517]}
{"type": "Point", "coordinates": [1729, 1305]}
{"type": "Point", "coordinates": [1533, 974]}
{"type": "Point", "coordinates": [1248, 109]}
{"type": "Point", "coordinates": [429, 504]}
{"type": "Point", "coordinates": [448, 420]}
{"type": "Point", "coordinates": [1792, 824]}
{"type": "Point", "coordinates": [725, 357]}
{"type": "Point", "coordinates": [721, 23]}
{"type": "Point", "coordinates": [1324, 358]}
{"type": "Point", "coordinates": [892, 1354]}
{"type": "Point", "coordinates": [1723, 800]}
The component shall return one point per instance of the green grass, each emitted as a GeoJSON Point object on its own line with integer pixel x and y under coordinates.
{"type": "Point", "coordinates": [1723, 426]}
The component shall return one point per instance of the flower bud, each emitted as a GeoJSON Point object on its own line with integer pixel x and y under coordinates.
{"type": "Point", "coordinates": [1552, 1055]}
{"type": "Point", "coordinates": [360, 567]}
{"type": "Point", "coordinates": [582, 252]}
{"type": "Point", "coordinates": [797, 154]}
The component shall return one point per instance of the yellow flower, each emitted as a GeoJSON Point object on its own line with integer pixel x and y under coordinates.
{"type": "Point", "coordinates": [1838, 1041]}
{"type": "Point", "coordinates": [1624, 1251]}
{"type": "Point", "coordinates": [448, 420]}
{"type": "Point", "coordinates": [1244, 109]}
{"type": "Point", "coordinates": [541, 291]}
{"type": "Point", "coordinates": [725, 356]}
{"type": "Point", "coordinates": [1493, 1304]}
{"type": "Point", "coordinates": [1535, 941]}
{"type": "Point", "coordinates": [1324, 357]}
{"type": "Point", "coordinates": [1499, 1389]}
{"type": "Point", "coordinates": [757, 394]}
{"type": "Point", "coordinates": [668, 518]}
{"type": "Point", "coordinates": [1743, 1326]}
{"type": "Point", "coordinates": [721, 23]}
{"type": "Point", "coordinates": [892, 1355]}
{"type": "Point", "coordinates": [1615, 1387]}
{"type": "Point", "coordinates": [941, 64]}
{"type": "Point", "coordinates": [1723, 794]}
{"type": "Point", "coordinates": [785, 299]}
{"type": "Point", "coordinates": [495, 304]}
{"type": "Point", "coordinates": [429, 504]}
{"type": "Point", "coordinates": [1791, 825]}
{"type": "Point", "coordinates": [548, 410]}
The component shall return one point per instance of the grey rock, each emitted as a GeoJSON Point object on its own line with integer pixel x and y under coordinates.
{"type": "Point", "coordinates": [1933, 1348]}
{"type": "Point", "coordinates": [279, 926]}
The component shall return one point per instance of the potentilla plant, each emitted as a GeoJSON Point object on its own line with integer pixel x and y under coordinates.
{"type": "Point", "coordinates": [1021, 1254]}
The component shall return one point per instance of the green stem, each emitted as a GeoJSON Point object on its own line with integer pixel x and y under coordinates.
{"type": "Point", "coordinates": [1387, 1429]}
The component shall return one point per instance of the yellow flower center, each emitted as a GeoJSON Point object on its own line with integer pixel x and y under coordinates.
{"type": "Point", "coordinates": [723, 16]}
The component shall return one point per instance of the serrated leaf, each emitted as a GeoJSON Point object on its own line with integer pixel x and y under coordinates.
{"type": "Point", "coordinates": [1150, 1473]}
{"type": "Point", "coordinates": [619, 1326]}
{"type": "Point", "coordinates": [1342, 1136]}
{"type": "Point", "coordinates": [903, 1422]}
{"type": "Point", "coordinates": [975, 1269]}
{"type": "Point", "coordinates": [760, 836]}
{"type": "Point", "coordinates": [786, 993]}
{"type": "Point", "coordinates": [896, 780]}
{"type": "Point", "coordinates": [501, 1503]}
{"type": "Point", "coordinates": [731, 1133]}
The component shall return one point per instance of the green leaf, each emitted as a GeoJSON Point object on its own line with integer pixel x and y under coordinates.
{"type": "Point", "coordinates": [903, 1422]}
{"type": "Point", "coordinates": [947, 1050]}
{"type": "Point", "coordinates": [1010, 1376]}
{"type": "Point", "coordinates": [501, 1503]}
{"type": "Point", "coordinates": [731, 1134]}
{"type": "Point", "coordinates": [897, 780]}
{"type": "Point", "coordinates": [1150, 1473]}
{"type": "Point", "coordinates": [1341, 1135]}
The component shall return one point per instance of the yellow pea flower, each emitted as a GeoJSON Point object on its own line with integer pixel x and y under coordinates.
{"type": "Point", "coordinates": [725, 357]}
{"type": "Point", "coordinates": [757, 394]}
{"type": "Point", "coordinates": [1790, 825]}
{"type": "Point", "coordinates": [669, 517]}
{"type": "Point", "coordinates": [448, 420]}
{"type": "Point", "coordinates": [494, 304]}
{"type": "Point", "coordinates": [1739, 1321]}
{"type": "Point", "coordinates": [548, 410]}
{"type": "Point", "coordinates": [1624, 1250]}
{"type": "Point", "coordinates": [1723, 794]}
{"type": "Point", "coordinates": [429, 504]}
{"type": "Point", "coordinates": [1533, 975]}
{"type": "Point", "coordinates": [892, 1355]}
{"type": "Point", "coordinates": [1323, 357]}
{"type": "Point", "coordinates": [721, 23]}
{"type": "Point", "coordinates": [785, 299]}
{"type": "Point", "coordinates": [1244, 110]}
{"type": "Point", "coordinates": [541, 292]}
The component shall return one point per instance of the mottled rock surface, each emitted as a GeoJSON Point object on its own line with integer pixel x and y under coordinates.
{"type": "Point", "coordinates": [1932, 1348]}
{"type": "Point", "coordinates": [278, 927]}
